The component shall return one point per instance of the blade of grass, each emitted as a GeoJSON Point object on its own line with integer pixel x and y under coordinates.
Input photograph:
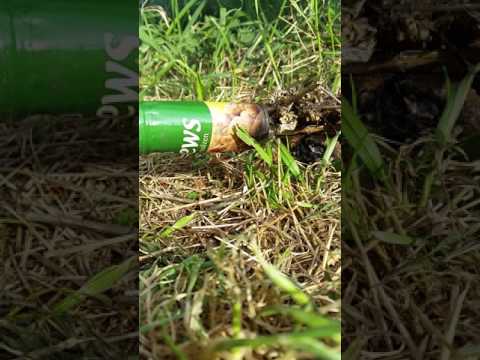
{"type": "Point", "coordinates": [282, 281]}
{"type": "Point", "coordinates": [100, 283]}
{"type": "Point", "coordinates": [359, 138]}
{"type": "Point", "coordinates": [330, 147]}
{"type": "Point", "coordinates": [455, 101]}
{"type": "Point", "coordinates": [180, 224]}
{"type": "Point", "coordinates": [250, 141]}
{"type": "Point", "coordinates": [289, 160]}
{"type": "Point", "coordinates": [302, 340]}
{"type": "Point", "coordinates": [305, 317]}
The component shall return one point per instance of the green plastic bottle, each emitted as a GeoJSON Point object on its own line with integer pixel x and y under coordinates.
{"type": "Point", "coordinates": [69, 57]}
{"type": "Point", "coordinates": [189, 127]}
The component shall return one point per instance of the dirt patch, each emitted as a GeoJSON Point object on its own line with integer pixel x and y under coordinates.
{"type": "Point", "coordinates": [305, 117]}
{"type": "Point", "coordinates": [399, 55]}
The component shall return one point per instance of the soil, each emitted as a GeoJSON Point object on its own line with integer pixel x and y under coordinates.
{"type": "Point", "coordinates": [398, 56]}
{"type": "Point", "coordinates": [305, 117]}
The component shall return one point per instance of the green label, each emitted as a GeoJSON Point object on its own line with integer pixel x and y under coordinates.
{"type": "Point", "coordinates": [174, 126]}
{"type": "Point", "coordinates": [52, 62]}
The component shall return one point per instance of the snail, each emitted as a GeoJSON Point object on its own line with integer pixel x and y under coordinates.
{"type": "Point", "coordinates": [251, 117]}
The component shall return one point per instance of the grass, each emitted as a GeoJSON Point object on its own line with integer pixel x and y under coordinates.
{"type": "Point", "coordinates": [240, 255]}
{"type": "Point", "coordinates": [410, 238]}
{"type": "Point", "coordinates": [234, 56]}
{"type": "Point", "coordinates": [67, 209]}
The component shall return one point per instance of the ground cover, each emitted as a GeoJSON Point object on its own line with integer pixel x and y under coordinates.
{"type": "Point", "coordinates": [240, 254]}
{"type": "Point", "coordinates": [411, 184]}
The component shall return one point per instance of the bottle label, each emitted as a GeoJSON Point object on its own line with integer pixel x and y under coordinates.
{"type": "Point", "coordinates": [122, 88]}
{"type": "Point", "coordinates": [174, 126]}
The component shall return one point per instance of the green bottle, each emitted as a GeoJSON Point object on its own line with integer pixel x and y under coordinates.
{"type": "Point", "coordinates": [68, 57]}
{"type": "Point", "coordinates": [189, 127]}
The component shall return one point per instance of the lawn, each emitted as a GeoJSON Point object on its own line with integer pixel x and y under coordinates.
{"type": "Point", "coordinates": [240, 254]}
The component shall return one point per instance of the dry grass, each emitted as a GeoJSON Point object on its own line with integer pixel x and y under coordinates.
{"type": "Point", "coordinates": [416, 298]}
{"type": "Point", "coordinates": [197, 283]}
{"type": "Point", "coordinates": [411, 209]}
{"type": "Point", "coordinates": [65, 204]}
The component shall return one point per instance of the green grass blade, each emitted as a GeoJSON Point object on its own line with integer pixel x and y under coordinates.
{"type": "Point", "coordinates": [317, 348]}
{"type": "Point", "coordinates": [179, 15]}
{"type": "Point", "coordinates": [100, 283]}
{"type": "Point", "coordinates": [359, 138]}
{"type": "Point", "coordinates": [285, 284]}
{"type": "Point", "coordinates": [180, 224]}
{"type": "Point", "coordinates": [306, 317]}
{"type": "Point", "coordinates": [282, 281]}
{"type": "Point", "coordinates": [289, 160]}
{"type": "Point", "coordinates": [303, 340]}
{"type": "Point", "coordinates": [455, 101]}
{"type": "Point", "coordinates": [250, 141]}
{"type": "Point", "coordinates": [199, 88]}
{"type": "Point", "coordinates": [174, 347]}
{"type": "Point", "coordinates": [330, 147]}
